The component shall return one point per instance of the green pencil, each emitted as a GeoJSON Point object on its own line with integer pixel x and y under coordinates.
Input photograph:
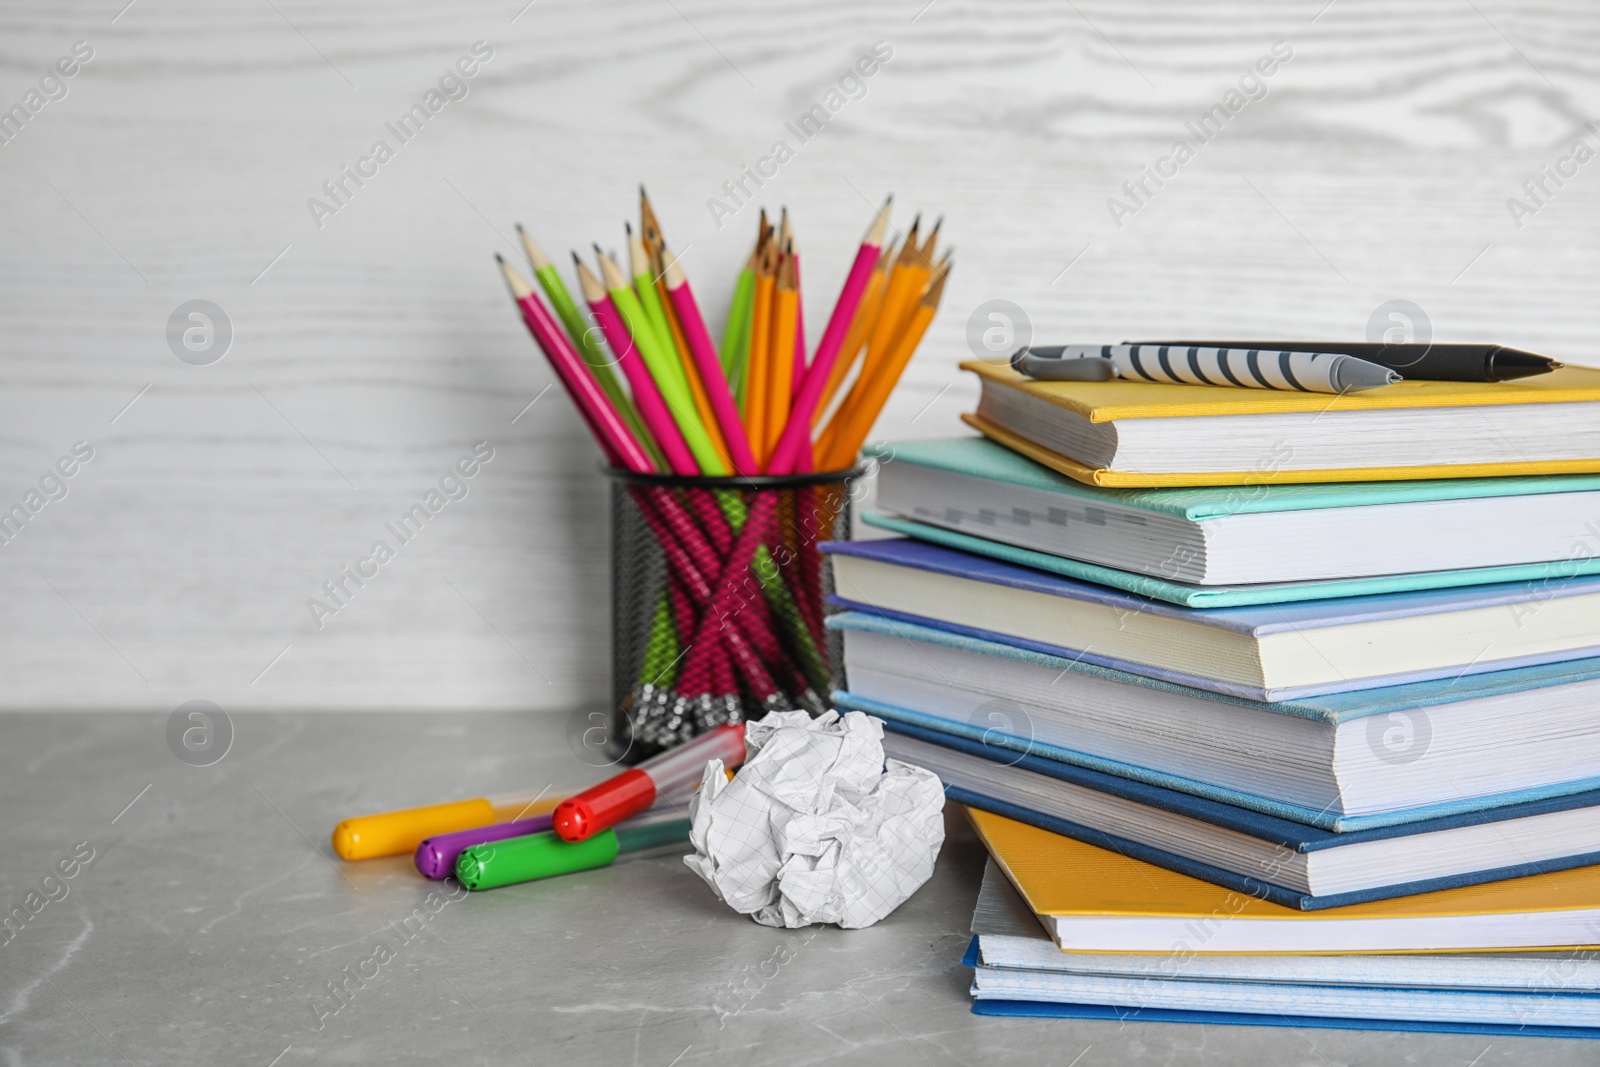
{"type": "Point", "coordinates": [582, 336]}
{"type": "Point", "coordinates": [735, 350]}
{"type": "Point", "coordinates": [663, 366]}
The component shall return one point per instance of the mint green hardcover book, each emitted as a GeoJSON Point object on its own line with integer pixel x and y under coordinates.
{"type": "Point", "coordinates": [1219, 546]}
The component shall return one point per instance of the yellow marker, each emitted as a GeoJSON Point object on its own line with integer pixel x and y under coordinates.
{"type": "Point", "coordinates": [398, 833]}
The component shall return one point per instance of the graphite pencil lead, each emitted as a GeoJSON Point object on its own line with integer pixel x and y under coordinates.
{"type": "Point", "coordinates": [514, 281]}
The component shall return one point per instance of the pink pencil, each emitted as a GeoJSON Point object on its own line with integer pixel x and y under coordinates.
{"type": "Point", "coordinates": [612, 434]}
{"type": "Point", "coordinates": [796, 438]}
{"type": "Point", "coordinates": [704, 353]}
{"type": "Point", "coordinates": [646, 396]}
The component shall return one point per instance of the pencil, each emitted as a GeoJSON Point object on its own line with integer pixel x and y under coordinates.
{"type": "Point", "coordinates": [874, 393]}
{"type": "Point", "coordinates": [756, 387]}
{"type": "Point", "coordinates": [649, 255]}
{"type": "Point", "coordinates": [736, 332]}
{"type": "Point", "coordinates": [793, 450]}
{"type": "Point", "coordinates": [610, 432]}
{"type": "Point", "coordinates": [798, 370]}
{"type": "Point", "coordinates": [652, 405]}
{"type": "Point", "coordinates": [644, 287]}
{"type": "Point", "coordinates": [698, 340]}
{"type": "Point", "coordinates": [855, 341]}
{"type": "Point", "coordinates": [593, 355]}
{"type": "Point", "coordinates": [785, 316]}
{"type": "Point", "coordinates": [663, 366]}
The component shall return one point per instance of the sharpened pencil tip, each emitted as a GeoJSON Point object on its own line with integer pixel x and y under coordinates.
{"type": "Point", "coordinates": [627, 226]}
{"type": "Point", "coordinates": [498, 258]}
{"type": "Point", "coordinates": [577, 259]}
{"type": "Point", "coordinates": [518, 226]}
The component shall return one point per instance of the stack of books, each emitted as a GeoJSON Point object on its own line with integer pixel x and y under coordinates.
{"type": "Point", "coordinates": [1274, 706]}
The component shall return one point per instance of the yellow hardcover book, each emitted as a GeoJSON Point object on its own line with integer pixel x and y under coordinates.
{"type": "Point", "coordinates": [1094, 900]}
{"type": "Point", "coordinates": [1139, 434]}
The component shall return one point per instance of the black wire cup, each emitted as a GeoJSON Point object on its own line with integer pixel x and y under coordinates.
{"type": "Point", "coordinates": [718, 594]}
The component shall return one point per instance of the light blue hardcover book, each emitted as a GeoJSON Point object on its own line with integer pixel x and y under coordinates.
{"type": "Point", "coordinates": [1218, 546]}
{"type": "Point", "coordinates": [1345, 761]}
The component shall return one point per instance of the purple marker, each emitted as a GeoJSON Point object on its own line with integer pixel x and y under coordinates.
{"type": "Point", "coordinates": [436, 856]}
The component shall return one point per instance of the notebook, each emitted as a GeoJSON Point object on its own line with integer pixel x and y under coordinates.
{"type": "Point", "coordinates": [1288, 863]}
{"type": "Point", "coordinates": [1122, 433]}
{"type": "Point", "coordinates": [1093, 900]}
{"type": "Point", "coordinates": [1009, 936]}
{"type": "Point", "coordinates": [1343, 761]}
{"type": "Point", "coordinates": [1219, 596]}
{"type": "Point", "coordinates": [1270, 653]}
{"type": "Point", "coordinates": [1014, 960]}
{"type": "Point", "coordinates": [1242, 535]}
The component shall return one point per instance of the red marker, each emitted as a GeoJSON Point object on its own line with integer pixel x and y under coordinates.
{"type": "Point", "coordinates": [633, 791]}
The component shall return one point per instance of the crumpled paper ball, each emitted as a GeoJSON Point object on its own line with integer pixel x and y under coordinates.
{"type": "Point", "coordinates": [815, 828]}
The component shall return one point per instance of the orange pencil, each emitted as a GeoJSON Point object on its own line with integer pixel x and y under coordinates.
{"type": "Point", "coordinates": [780, 383]}
{"type": "Point", "coordinates": [900, 294]}
{"type": "Point", "coordinates": [860, 326]}
{"type": "Point", "coordinates": [898, 299]}
{"type": "Point", "coordinates": [758, 381]}
{"type": "Point", "coordinates": [786, 242]}
{"type": "Point", "coordinates": [871, 395]}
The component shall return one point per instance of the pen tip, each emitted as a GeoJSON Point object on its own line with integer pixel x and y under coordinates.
{"type": "Point", "coordinates": [1556, 366]}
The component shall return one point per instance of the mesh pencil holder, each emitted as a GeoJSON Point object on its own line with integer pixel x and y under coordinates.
{"type": "Point", "coordinates": [717, 600]}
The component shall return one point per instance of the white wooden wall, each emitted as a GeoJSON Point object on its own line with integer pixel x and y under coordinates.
{"type": "Point", "coordinates": [369, 354]}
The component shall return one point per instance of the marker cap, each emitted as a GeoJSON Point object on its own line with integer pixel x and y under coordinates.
{"type": "Point", "coordinates": [436, 857]}
{"type": "Point", "coordinates": [535, 856]}
{"type": "Point", "coordinates": [605, 805]}
{"type": "Point", "coordinates": [395, 833]}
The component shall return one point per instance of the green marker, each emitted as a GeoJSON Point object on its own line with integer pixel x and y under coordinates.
{"type": "Point", "coordinates": [536, 856]}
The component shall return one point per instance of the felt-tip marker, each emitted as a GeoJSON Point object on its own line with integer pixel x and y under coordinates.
{"type": "Point", "coordinates": [396, 833]}
{"type": "Point", "coordinates": [534, 856]}
{"type": "Point", "coordinates": [634, 790]}
{"type": "Point", "coordinates": [436, 857]}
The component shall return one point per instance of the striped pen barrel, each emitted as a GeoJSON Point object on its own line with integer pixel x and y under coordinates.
{"type": "Point", "coordinates": [1244, 368]}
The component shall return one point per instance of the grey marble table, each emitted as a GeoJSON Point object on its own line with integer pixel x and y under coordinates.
{"type": "Point", "coordinates": [212, 922]}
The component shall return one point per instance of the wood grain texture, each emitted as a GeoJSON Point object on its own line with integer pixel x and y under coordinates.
{"type": "Point", "coordinates": [373, 351]}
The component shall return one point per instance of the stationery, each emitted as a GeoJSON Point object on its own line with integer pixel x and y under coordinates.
{"type": "Point", "coordinates": [1123, 433]}
{"type": "Point", "coordinates": [1438, 362]}
{"type": "Point", "coordinates": [1256, 367]}
{"type": "Point", "coordinates": [1225, 535]}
